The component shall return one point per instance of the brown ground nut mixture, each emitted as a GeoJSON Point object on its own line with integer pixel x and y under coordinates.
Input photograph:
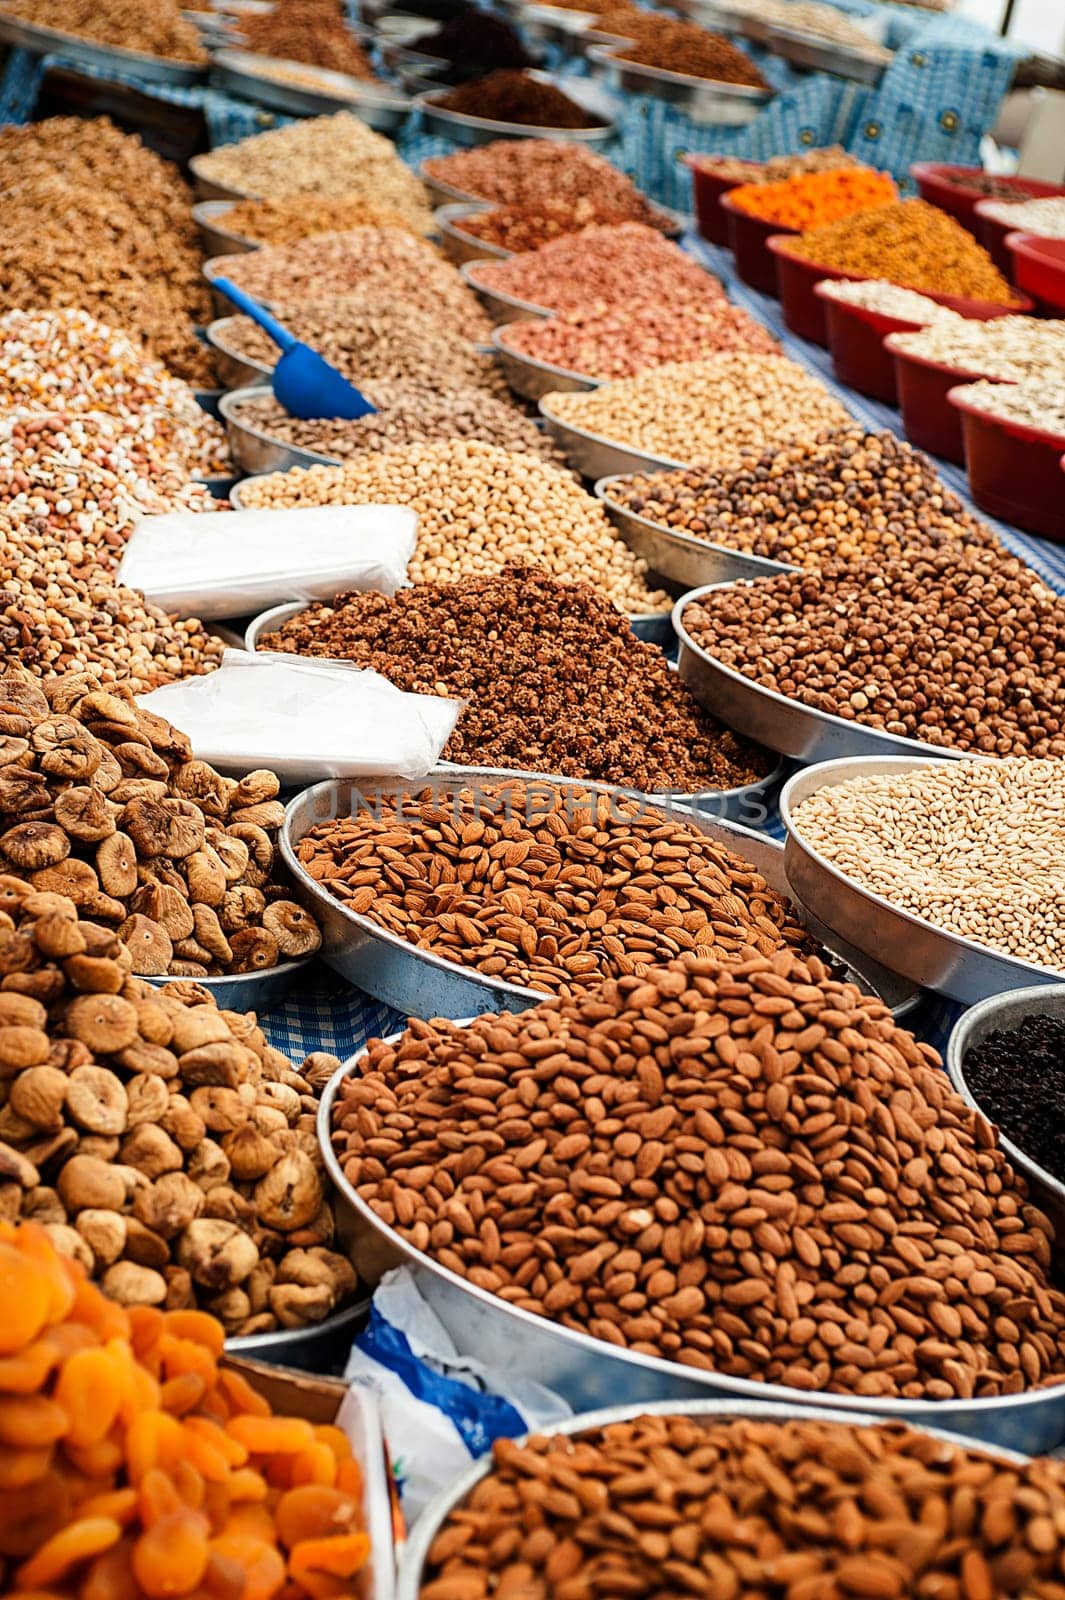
{"type": "Point", "coordinates": [960, 648]}
{"type": "Point", "coordinates": [407, 413]}
{"type": "Point", "coordinates": [524, 227]}
{"type": "Point", "coordinates": [307, 30]}
{"type": "Point", "coordinates": [94, 220]}
{"type": "Point", "coordinates": [746, 1167]}
{"type": "Point", "coordinates": [848, 495]}
{"type": "Point", "coordinates": [527, 172]}
{"type": "Point", "coordinates": [518, 97]}
{"type": "Point", "coordinates": [663, 1506]}
{"type": "Point", "coordinates": [674, 46]}
{"type": "Point", "coordinates": [284, 221]}
{"type": "Point", "coordinates": [553, 678]}
{"type": "Point", "coordinates": [620, 341]}
{"type": "Point", "coordinates": [155, 30]}
{"type": "Point", "coordinates": [527, 883]}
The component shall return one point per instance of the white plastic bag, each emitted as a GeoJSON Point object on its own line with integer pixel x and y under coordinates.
{"type": "Point", "coordinates": [440, 1410]}
{"type": "Point", "coordinates": [306, 719]}
{"type": "Point", "coordinates": [230, 566]}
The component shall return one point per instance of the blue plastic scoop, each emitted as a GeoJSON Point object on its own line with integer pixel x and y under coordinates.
{"type": "Point", "coordinates": [303, 381]}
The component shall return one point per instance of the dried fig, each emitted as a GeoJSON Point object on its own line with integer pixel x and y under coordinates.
{"type": "Point", "coordinates": [221, 1109]}
{"type": "Point", "coordinates": [101, 705]}
{"type": "Point", "coordinates": [75, 879]}
{"type": "Point", "coordinates": [281, 1098]}
{"type": "Point", "coordinates": [294, 929]}
{"type": "Point", "coordinates": [31, 845]}
{"type": "Point", "coordinates": [199, 782]}
{"type": "Point", "coordinates": [96, 1100]}
{"type": "Point", "coordinates": [179, 1291]}
{"type": "Point", "coordinates": [232, 853]}
{"type": "Point", "coordinates": [105, 1022]}
{"type": "Point", "coordinates": [193, 950]}
{"type": "Point", "coordinates": [317, 1266]}
{"type": "Point", "coordinates": [23, 792]}
{"type": "Point", "coordinates": [21, 1048]}
{"type": "Point", "coordinates": [116, 865]}
{"type": "Point", "coordinates": [95, 975]}
{"type": "Point", "coordinates": [21, 1011]}
{"type": "Point", "coordinates": [268, 814]}
{"type": "Point", "coordinates": [108, 774]}
{"type": "Point", "coordinates": [169, 1205]}
{"type": "Point", "coordinates": [218, 1254]}
{"type": "Point", "coordinates": [150, 1059]}
{"type": "Point", "coordinates": [58, 936]}
{"type": "Point", "coordinates": [14, 1168]}
{"type": "Point", "coordinates": [196, 1025]}
{"type": "Point", "coordinates": [290, 1195]}
{"type": "Point", "coordinates": [151, 1151]}
{"type": "Point", "coordinates": [133, 1285]}
{"type": "Point", "coordinates": [295, 1306]}
{"type": "Point", "coordinates": [164, 827]}
{"type": "Point", "coordinates": [208, 932]}
{"type": "Point", "coordinates": [103, 1146]}
{"type": "Point", "coordinates": [162, 735]}
{"type": "Point", "coordinates": [241, 907]}
{"type": "Point", "coordinates": [104, 1232]}
{"type": "Point", "coordinates": [188, 969]}
{"type": "Point", "coordinates": [68, 1242]}
{"type": "Point", "coordinates": [260, 850]}
{"type": "Point", "coordinates": [207, 1165]}
{"type": "Point", "coordinates": [147, 1099]}
{"type": "Point", "coordinates": [221, 1064]}
{"type": "Point", "coordinates": [205, 877]}
{"type": "Point", "coordinates": [144, 1246]}
{"type": "Point", "coordinates": [129, 789]}
{"type": "Point", "coordinates": [11, 1197]}
{"type": "Point", "coordinates": [148, 944]}
{"type": "Point", "coordinates": [43, 1205]}
{"type": "Point", "coordinates": [258, 1284]}
{"type": "Point", "coordinates": [38, 1095]}
{"type": "Point", "coordinates": [251, 1152]}
{"type": "Point", "coordinates": [65, 749]}
{"type": "Point", "coordinates": [88, 1184]}
{"type": "Point", "coordinates": [255, 788]}
{"type": "Point", "coordinates": [253, 950]}
{"type": "Point", "coordinates": [182, 1123]}
{"type": "Point", "coordinates": [85, 813]}
{"type": "Point", "coordinates": [231, 1307]}
{"type": "Point", "coordinates": [139, 760]}
{"type": "Point", "coordinates": [318, 1068]}
{"type": "Point", "coordinates": [166, 906]}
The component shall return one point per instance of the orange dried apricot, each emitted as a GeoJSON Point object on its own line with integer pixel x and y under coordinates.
{"type": "Point", "coordinates": [317, 1464]}
{"type": "Point", "coordinates": [153, 1440]}
{"type": "Point", "coordinates": [119, 1504]}
{"type": "Point", "coordinates": [242, 1398]}
{"type": "Point", "coordinates": [111, 1576]}
{"type": "Point", "coordinates": [271, 1435]}
{"type": "Point", "coordinates": [31, 1420]}
{"type": "Point", "coordinates": [262, 1564]}
{"type": "Point", "coordinates": [77, 1542]}
{"type": "Point", "coordinates": [198, 1327]}
{"type": "Point", "coordinates": [25, 1372]}
{"type": "Point", "coordinates": [181, 1394]}
{"type": "Point", "coordinates": [337, 1440]}
{"type": "Point", "coordinates": [21, 1467]}
{"type": "Point", "coordinates": [314, 1512]}
{"type": "Point", "coordinates": [170, 1557]}
{"type": "Point", "coordinates": [26, 1298]}
{"type": "Point", "coordinates": [89, 1389]}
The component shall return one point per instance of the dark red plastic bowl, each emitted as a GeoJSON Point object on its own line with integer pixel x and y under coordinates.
{"type": "Point", "coordinates": [933, 185]}
{"type": "Point", "coordinates": [856, 340]}
{"type": "Point", "coordinates": [1014, 471]}
{"type": "Point", "coordinates": [797, 279]}
{"type": "Point", "coordinates": [1039, 269]}
{"type": "Point", "coordinates": [928, 420]}
{"type": "Point", "coordinates": [709, 186]}
{"type": "Point", "coordinates": [748, 239]}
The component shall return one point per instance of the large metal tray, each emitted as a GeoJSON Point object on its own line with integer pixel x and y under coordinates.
{"type": "Point", "coordinates": [501, 307]}
{"type": "Point", "coordinates": [208, 188]}
{"type": "Point", "coordinates": [772, 719]}
{"type": "Point", "coordinates": [244, 74]}
{"type": "Point", "coordinates": [248, 991]}
{"type": "Point", "coordinates": [75, 48]}
{"type": "Point", "coordinates": [1004, 1013]}
{"type": "Point", "coordinates": [533, 379]}
{"type": "Point", "coordinates": [411, 1576]}
{"type": "Point", "coordinates": [209, 216]}
{"type": "Point", "coordinates": [234, 370]}
{"type": "Point", "coordinates": [809, 51]}
{"type": "Point", "coordinates": [255, 451]}
{"type": "Point", "coordinates": [681, 557]}
{"type": "Point", "coordinates": [469, 131]}
{"type": "Point", "coordinates": [422, 984]}
{"type": "Point", "coordinates": [596, 457]}
{"type": "Point", "coordinates": [321, 1347]}
{"type": "Point", "coordinates": [908, 944]}
{"type": "Point", "coordinates": [705, 100]}
{"type": "Point", "coordinates": [590, 1373]}
{"type": "Point", "coordinates": [459, 246]}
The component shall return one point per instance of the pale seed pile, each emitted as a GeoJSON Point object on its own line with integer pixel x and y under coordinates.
{"type": "Point", "coordinates": [705, 413]}
{"type": "Point", "coordinates": [478, 508]}
{"type": "Point", "coordinates": [1038, 402]}
{"type": "Point", "coordinates": [1010, 348]}
{"type": "Point", "coordinates": [977, 848]}
{"type": "Point", "coordinates": [284, 220]}
{"type": "Point", "coordinates": [1045, 217]}
{"type": "Point", "coordinates": [877, 294]}
{"type": "Point", "coordinates": [740, 1165]}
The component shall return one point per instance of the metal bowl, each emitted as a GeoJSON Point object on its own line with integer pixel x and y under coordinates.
{"type": "Point", "coordinates": [236, 371]}
{"type": "Point", "coordinates": [78, 49]}
{"type": "Point", "coordinates": [597, 457]}
{"type": "Point", "coordinates": [422, 984]}
{"type": "Point", "coordinates": [1003, 1013]}
{"type": "Point", "coordinates": [815, 54]}
{"type": "Point", "coordinates": [502, 307]}
{"type": "Point", "coordinates": [411, 1576]}
{"type": "Point", "coordinates": [681, 557]}
{"type": "Point", "coordinates": [321, 1347]}
{"type": "Point", "coordinates": [533, 379]}
{"type": "Point", "coordinates": [459, 246]}
{"type": "Point", "coordinates": [255, 451]}
{"type": "Point", "coordinates": [445, 194]}
{"type": "Point", "coordinates": [773, 719]}
{"type": "Point", "coordinates": [590, 1373]}
{"type": "Point", "coordinates": [271, 619]}
{"type": "Point", "coordinates": [208, 188]}
{"type": "Point", "coordinates": [247, 991]}
{"type": "Point", "coordinates": [908, 944]}
{"type": "Point", "coordinates": [466, 130]}
{"type": "Point", "coordinates": [246, 74]}
{"type": "Point", "coordinates": [209, 216]}
{"type": "Point", "coordinates": [705, 100]}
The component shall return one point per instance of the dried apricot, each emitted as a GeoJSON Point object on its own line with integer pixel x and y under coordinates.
{"type": "Point", "coordinates": [314, 1512]}
{"type": "Point", "coordinates": [181, 1394]}
{"type": "Point", "coordinates": [264, 1436]}
{"type": "Point", "coordinates": [89, 1389]}
{"type": "Point", "coordinates": [100, 1460]}
{"type": "Point", "coordinates": [262, 1564]}
{"type": "Point", "coordinates": [120, 1504]}
{"type": "Point", "coordinates": [26, 1372]}
{"type": "Point", "coordinates": [170, 1557]}
{"type": "Point", "coordinates": [21, 1467]}
{"type": "Point", "coordinates": [198, 1327]}
{"type": "Point", "coordinates": [25, 1297]}
{"type": "Point", "coordinates": [77, 1542]}
{"type": "Point", "coordinates": [31, 1420]}
{"type": "Point", "coordinates": [55, 1272]}
{"type": "Point", "coordinates": [153, 1440]}
{"type": "Point", "coordinates": [337, 1440]}
{"type": "Point", "coordinates": [243, 1399]}
{"type": "Point", "coordinates": [317, 1465]}
{"type": "Point", "coordinates": [111, 1576]}
{"type": "Point", "coordinates": [339, 1557]}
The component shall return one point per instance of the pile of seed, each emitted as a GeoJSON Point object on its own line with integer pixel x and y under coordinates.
{"type": "Point", "coordinates": [332, 156]}
{"type": "Point", "coordinates": [827, 159]}
{"type": "Point", "coordinates": [1017, 1076]}
{"type": "Point", "coordinates": [876, 294]}
{"type": "Point", "coordinates": [284, 221]}
{"type": "Point", "coordinates": [523, 227]}
{"type": "Point", "coordinates": [705, 1506]}
{"type": "Point", "coordinates": [736, 1162]}
{"type": "Point", "coordinates": [526, 172]}
{"type": "Point", "coordinates": [155, 30]}
{"type": "Point", "coordinates": [66, 360]}
{"type": "Point", "coordinates": [478, 508]}
{"type": "Point", "coordinates": [518, 97]}
{"type": "Point", "coordinates": [674, 46]}
{"type": "Point", "coordinates": [620, 341]}
{"type": "Point", "coordinates": [554, 889]}
{"type": "Point", "coordinates": [601, 266]}
{"type": "Point", "coordinates": [708, 412]}
{"type": "Point", "coordinates": [961, 648]}
{"type": "Point", "coordinates": [824, 21]}
{"type": "Point", "coordinates": [313, 31]}
{"type": "Point", "coordinates": [94, 220]}
{"type": "Point", "coordinates": [333, 264]}
{"type": "Point", "coordinates": [475, 42]}
{"type": "Point", "coordinates": [975, 847]}
{"type": "Point", "coordinates": [848, 495]}
{"type": "Point", "coordinates": [375, 334]}
{"type": "Point", "coordinates": [553, 679]}
{"type": "Point", "coordinates": [1038, 402]}
{"type": "Point", "coordinates": [1043, 217]}
{"type": "Point", "coordinates": [910, 243]}
{"type": "Point", "coordinates": [1011, 348]}
{"type": "Point", "coordinates": [407, 413]}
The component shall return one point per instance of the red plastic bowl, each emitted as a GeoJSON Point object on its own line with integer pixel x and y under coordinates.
{"type": "Point", "coordinates": [1039, 269]}
{"type": "Point", "coordinates": [933, 185]}
{"type": "Point", "coordinates": [797, 279]}
{"type": "Point", "coordinates": [1014, 471]}
{"type": "Point", "coordinates": [856, 337]}
{"type": "Point", "coordinates": [709, 186]}
{"type": "Point", "coordinates": [928, 420]}
{"type": "Point", "coordinates": [748, 239]}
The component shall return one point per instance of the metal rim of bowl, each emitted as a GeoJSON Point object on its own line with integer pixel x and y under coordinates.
{"type": "Point", "coordinates": [763, 566]}
{"type": "Point", "coordinates": [448, 220]}
{"type": "Point", "coordinates": [339, 87]}
{"type": "Point", "coordinates": [209, 222]}
{"type": "Point", "coordinates": [214, 333]}
{"type": "Point", "coordinates": [219, 984]}
{"type": "Point", "coordinates": [411, 1573]}
{"type": "Point", "coordinates": [230, 405]}
{"type": "Point", "coordinates": [558, 425]}
{"type": "Point", "coordinates": [598, 133]}
{"type": "Point", "coordinates": [1038, 997]}
{"type": "Point", "coordinates": [282, 1339]}
{"type": "Point", "coordinates": [222, 190]}
{"type": "Point", "coordinates": [876, 1408]}
{"type": "Point", "coordinates": [741, 92]}
{"type": "Point", "coordinates": [527, 307]}
{"type": "Point", "coordinates": [894, 743]}
{"type": "Point", "coordinates": [500, 342]}
{"type": "Point", "coordinates": [902, 763]}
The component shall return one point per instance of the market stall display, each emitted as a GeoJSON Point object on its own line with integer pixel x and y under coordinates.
{"type": "Point", "coordinates": [158, 41]}
{"type": "Point", "coordinates": [807, 200]}
{"type": "Point", "coordinates": [287, 219]}
{"type": "Point", "coordinates": [301, 90]}
{"type": "Point", "coordinates": [1039, 268]}
{"type": "Point", "coordinates": [713, 176]}
{"type": "Point", "coordinates": [528, 104]}
{"type": "Point", "coordinates": [959, 190]}
{"type": "Point", "coordinates": [528, 172]}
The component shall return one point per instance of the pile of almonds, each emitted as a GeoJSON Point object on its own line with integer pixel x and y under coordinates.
{"type": "Point", "coordinates": [159, 1141]}
{"type": "Point", "coordinates": [100, 801]}
{"type": "Point", "coordinates": [743, 1166]}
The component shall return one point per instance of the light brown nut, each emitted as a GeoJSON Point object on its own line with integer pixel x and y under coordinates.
{"type": "Point", "coordinates": [96, 1100]}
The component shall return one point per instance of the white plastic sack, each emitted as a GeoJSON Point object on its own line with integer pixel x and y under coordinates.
{"type": "Point", "coordinates": [306, 719]}
{"type": "Point", "coordinates": [230, 566]}
{"type": "Point", "coordinates": [440, 1410]}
